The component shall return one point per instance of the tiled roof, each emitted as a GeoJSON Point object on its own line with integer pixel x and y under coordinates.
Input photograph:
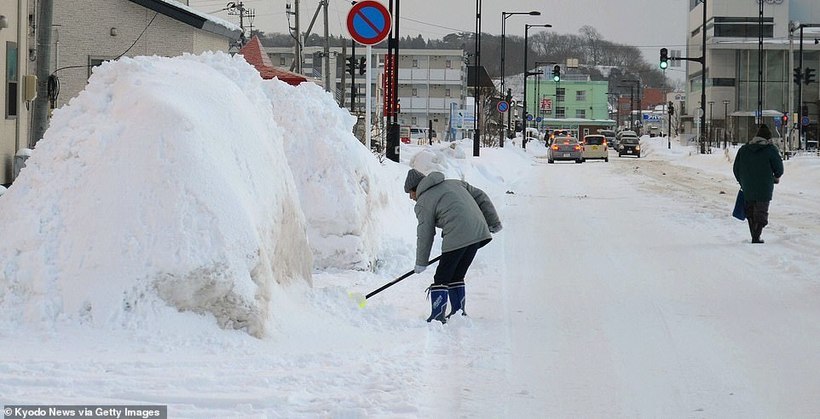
{"type": "Point", "coordinates": [255, 54]}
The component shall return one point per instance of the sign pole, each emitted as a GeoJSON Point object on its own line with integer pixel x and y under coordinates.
{"type": "Point", "coordinates": [367, 100]}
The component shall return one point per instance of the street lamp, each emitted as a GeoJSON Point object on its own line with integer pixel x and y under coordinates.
{"type": "Point", "coordinates": [527, 73]}
{"type": "Point", "coordinates": [504, 16]}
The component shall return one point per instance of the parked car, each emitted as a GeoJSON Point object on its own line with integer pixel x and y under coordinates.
{"type": "Point", "coordinates": [595, 147]}
{"type": "Point", "coordinates": [630, 146]}
{"type": "Point", "coordinates": [610, 137]}
{"type": "Point", "coordinates": [565, 148]}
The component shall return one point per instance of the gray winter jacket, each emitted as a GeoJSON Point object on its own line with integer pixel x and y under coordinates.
{"type": "Point", "coordinates": [461, 211]}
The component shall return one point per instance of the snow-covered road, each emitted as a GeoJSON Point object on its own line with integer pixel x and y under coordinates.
{"type": "Point", "coordinates": [620, 289]}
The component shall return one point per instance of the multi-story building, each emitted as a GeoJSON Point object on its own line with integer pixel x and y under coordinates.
{"type": "Point", "coordinates": [732, 70]}
{"type": "Point", "coordinates": [431, 81]}
{"type": "Point", "coordinates": [575, 102]}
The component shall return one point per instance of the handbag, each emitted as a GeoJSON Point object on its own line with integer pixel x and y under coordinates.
{"type": "Point", "coordinates": [739, 211]}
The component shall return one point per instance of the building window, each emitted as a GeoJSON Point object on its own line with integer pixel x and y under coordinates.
{"type": "Point", "coordinates": [560, 112]}
{"type": "Point", "coordinates": [580, 113]}
{"type": "Point", "coordinates": [447, 92]}
{"type": "Point", "coordinates": [742, 27]}
{"type": "Point", "coordinates": [581, 96]}
{"type": "Point", "coordinates": [95, 62]}
{"type": "Point", "coordinates": [414, 120]}
{"type": "Point", "coordinates": [448, 64]}
{"type": "Point", "coordinates": [281, 60]}
{"type": "Point", "coordinates": [11, 80]}
{"type": "Point", "coordinates": [415, 63]}
{"type": "Point", "coordinates": [560, 94]}
{"type": "Point", "coordinates": [414, 92]}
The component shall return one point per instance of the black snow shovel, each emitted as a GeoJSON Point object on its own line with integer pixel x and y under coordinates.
{"type": "Point", "coordinates": [361, 300]}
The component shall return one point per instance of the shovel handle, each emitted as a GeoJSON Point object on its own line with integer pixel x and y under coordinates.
{"type": "Point", "coordinates": [395, 281]}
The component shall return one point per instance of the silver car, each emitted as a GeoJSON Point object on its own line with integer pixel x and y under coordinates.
{"type": "Point", "coordinates": [565, 148]}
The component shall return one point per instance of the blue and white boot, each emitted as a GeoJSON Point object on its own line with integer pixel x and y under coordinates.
{"type": "Point", "coordinates": [438, 301]}
{"type": "Point", "coordinates": [457, 298]}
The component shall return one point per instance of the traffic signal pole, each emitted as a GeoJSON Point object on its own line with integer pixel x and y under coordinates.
{"type": "Point", "coordinates": [702, 61]}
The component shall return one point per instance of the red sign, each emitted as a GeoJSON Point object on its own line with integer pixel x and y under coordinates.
{"type": "Point", "coordinates": [546, 105]}
{"type": "Point", "coordinates": [368, 22]}
{"type": "Point", "coordinates": [389, 86]}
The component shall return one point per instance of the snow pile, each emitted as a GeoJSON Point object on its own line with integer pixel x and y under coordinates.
{"type": "Point", "coordinates": [165, 178]}
{"type": "Point", "coordinates": [343, 190]}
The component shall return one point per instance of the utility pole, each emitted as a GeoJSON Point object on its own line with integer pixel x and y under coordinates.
{"type": "Point", "coordinates": [326, 58]}
{"type": "Point", "coordinates": [39, 118]}
{"type": "Point", "coordinates": [240, 10]}
{"type": "Point", "coordinates": [296, 35]}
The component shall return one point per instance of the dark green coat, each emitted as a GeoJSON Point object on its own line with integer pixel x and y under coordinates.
{"type": "Point", "coordinates": [756, 166]}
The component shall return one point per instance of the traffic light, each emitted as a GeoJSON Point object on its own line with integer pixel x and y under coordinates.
{"type": "Point", "coordinates": [351, 65]}
{"type": "Point", "coordinates": [508, 98]}
{"type": "Point", "coordinates": [809, 76]}
{"type": "Point", "coordinates": [556, 73]}
{"type": "Point", "coordinates": [670, 108]}
{"type": "Point", "coordinates": [784, 119]}
{"type": "Point", "coordinates": [664, 63]}
{"type": "Point", "coordinates": [798, 77]}
{"type": "Point", "coordinates": [362, 65]}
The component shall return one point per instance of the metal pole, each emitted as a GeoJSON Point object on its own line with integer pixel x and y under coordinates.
{"type": "Point", "coordinates": [790, 109]}
{"type": "Point", "coordinates": [800, 94]}
{"type": "Point", "coordinates": [703, 85]}
{"type": "Point", "coordinates": [352, 76]}
{"type": "Point", "coordinates": [725, 123]}
{"type": "Point", "coordinates": [760, 64]}
{"type": "Point", "coordinates": [476, 77]}
{"type": "Point", "coordinates": [39, 115]}
{"type": "Point", "coordinates": [509, 110]}
{"type": "Point", "coordinates": [524, 104]}
{"type": "Point", "coordinates": [368, 101]}
{"type": "Point", "coordinates": [327, 50]}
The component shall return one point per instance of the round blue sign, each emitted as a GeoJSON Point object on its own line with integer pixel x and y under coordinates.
{"type": "Point", "coordinates": [368, 22]}
{"type": "Point", "coordinates": [538, 119]}
{"type": "Point", "coordinates": [502, 106]}
{"type": "Point", "coordinates": [529, 117]}
{"type": "Point", "coordinates": [805, 121]}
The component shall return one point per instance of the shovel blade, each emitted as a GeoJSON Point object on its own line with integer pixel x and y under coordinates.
{"type": "Point", "coordinates": [359, 298]}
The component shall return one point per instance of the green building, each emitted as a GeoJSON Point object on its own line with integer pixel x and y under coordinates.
{"type": "Point", "coordinates": [574, 103]}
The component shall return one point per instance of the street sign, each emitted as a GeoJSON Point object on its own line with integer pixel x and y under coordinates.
{"type": "Point", "coordinates": [538, 119]}
{"type": "Point", "coordinates": [502, 106]}
{"type": "Point", "coordinates": [778, 122]}
{"type": "Point", "coordinates": [805, 121]}
{"type": "Point", "coordinates": [529, 117]}
{"type": "Point", "coordinates": [368, 22]}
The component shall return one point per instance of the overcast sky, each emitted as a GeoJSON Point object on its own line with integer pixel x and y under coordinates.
{"type": "Point", "coordinates": [648, 24]}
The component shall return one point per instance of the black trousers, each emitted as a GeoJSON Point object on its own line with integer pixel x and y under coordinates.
{"type": "Point", "coordinates": [757, 214]}
{"type": "Point", "coordinates": [453, 265]}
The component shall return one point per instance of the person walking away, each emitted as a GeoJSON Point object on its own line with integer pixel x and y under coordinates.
{"type": "Point", "coordinates": [466, 217]}
{"type": "Point", "coordinates": [758, 167]}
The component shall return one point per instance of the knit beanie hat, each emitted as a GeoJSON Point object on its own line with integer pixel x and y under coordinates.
{"type": "Point", "coordinates": [414, 177]}
{"type": "Point", "coordinates": [764, 132]}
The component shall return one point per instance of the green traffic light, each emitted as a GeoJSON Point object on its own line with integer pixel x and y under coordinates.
{"type": "Point", "coordinates": [664, 65]}
{"type": "Point", "coordinates": [556, 78]}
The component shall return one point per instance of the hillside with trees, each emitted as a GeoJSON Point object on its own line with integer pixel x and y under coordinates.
{"type": "Point", "coordinates": [588, 46]}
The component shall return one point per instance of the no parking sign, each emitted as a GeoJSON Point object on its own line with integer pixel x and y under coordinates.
{"type": "Point", "coordinates": [368, 22]}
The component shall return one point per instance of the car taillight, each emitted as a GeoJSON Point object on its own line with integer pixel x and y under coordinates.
{"type": "Point", "coordinates": [577, 148]}
{"type": "Point", "coordinates": [555, 146]}
{"type": "Point", "coordinates": [604, 144]}
{"type": "Point", "coordinates": [637, 147]}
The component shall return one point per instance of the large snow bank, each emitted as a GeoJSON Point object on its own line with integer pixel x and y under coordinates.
{"type": "Point", "coordinates": [343, 190]}
{"type": "Point", "coordinates": [166, 178]}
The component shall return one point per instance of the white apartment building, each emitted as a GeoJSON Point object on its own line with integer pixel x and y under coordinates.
{"type": "Point", "coordinates": [431, 81]}
{"type": "Point", "coordinates": [732, 74]}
